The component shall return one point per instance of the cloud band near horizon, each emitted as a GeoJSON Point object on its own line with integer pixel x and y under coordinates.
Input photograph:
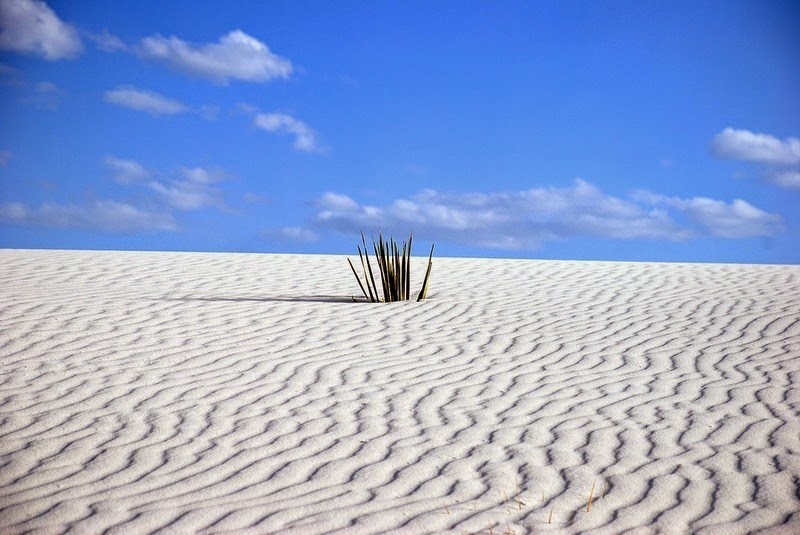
{"type": "Point", "coordinates": [105, 216]}
{"type": "Point", "coordinates": [527, 219]}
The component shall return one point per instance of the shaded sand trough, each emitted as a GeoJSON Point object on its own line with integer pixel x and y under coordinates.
{"type": "Point", "coordinates": [236, 393]}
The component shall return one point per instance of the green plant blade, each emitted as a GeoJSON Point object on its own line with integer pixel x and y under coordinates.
{"type": "Point", "coordinates": [374, 288]}
{"type": "Point", "coordinates": [423, 293]}
{"type": "Point", "coordinates": [358, 279]}
{"type": "Point", "coordinates": [380, 257]}
{"type": "Point", "coordinates": [397, 275]}
{"type": "Point", "coordinates": [371, 296]}
{"type": "Point", "coordinates": [394, 268]}
{"type": "Point", "coordinates": [407, 263]}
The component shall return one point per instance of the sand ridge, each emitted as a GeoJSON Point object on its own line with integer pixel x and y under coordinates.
{"type": "Point", "coordinates": [245, 393]}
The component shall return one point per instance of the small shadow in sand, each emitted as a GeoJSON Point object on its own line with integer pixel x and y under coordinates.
{"type": "Point", "coordinates": [279, 298]}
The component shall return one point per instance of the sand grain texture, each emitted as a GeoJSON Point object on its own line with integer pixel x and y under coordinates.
{"type": "Point", "coordinates": [228, 393]}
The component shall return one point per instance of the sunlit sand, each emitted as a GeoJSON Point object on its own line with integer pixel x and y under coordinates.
{"type": "Point", "coordinates": [249, 393]}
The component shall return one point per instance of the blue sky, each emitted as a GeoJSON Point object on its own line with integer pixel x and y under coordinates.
{"type": "Point", "coordinates": [654, 131]}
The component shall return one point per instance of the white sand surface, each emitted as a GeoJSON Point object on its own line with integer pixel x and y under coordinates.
{"type": "Point", "coordinates": [244, 393]}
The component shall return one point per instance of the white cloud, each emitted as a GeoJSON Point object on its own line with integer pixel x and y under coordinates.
{"type": "Point", "coordinates": [200, 175]}
{"type": "Point", "coordinates": [236, 56]}
{"type": "Point", "coordinates": [47, 87]}
{"type": "Point", "coordinates": [13, 212]}
{"type": "Point", "coordinates": [305, 139]}
{"type": "Point", "coordinates": [141, 100]}
{"type": "Point", "coordinates": [127, 171]}
{"type": "Point", "coordinates": [516, 220]}
{"type": "Point", "coordinates": [255, 198]}
{"type": "Point", "coordinates": [787, 179]}
{"type": "Point", "coordinates": [187, 189]}
{"type": "Point", "coordinates": [738, 219]}
{"type": "Point", "coordinates": [334, 204]}
{"type": "Point", "coordinates": [732, 144]}
{"type": "Point", "coordinates": [108, 42]}
{"type": "Point", "coordinates": [292, 234]}
{"type": "Point", "coordinates": [193, 189]}
{"type": "Point", "coordinates": [207, 112]}
{"type": "Point", "coordinates": [5, 157]}
{"type": "Point", "coordinates": [781, 158]}
{"type": "Point", "coordinates": [156, 103]}
{"type": "Point", "coordinates": [527, 219]}
{"type": "Point", "coordinates": [31, 26]}
{"type": "Point", "coordinates": [107, 216]}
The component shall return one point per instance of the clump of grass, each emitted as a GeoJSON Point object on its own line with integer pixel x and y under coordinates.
{"type": "Point", "coordinates": [394, 267]}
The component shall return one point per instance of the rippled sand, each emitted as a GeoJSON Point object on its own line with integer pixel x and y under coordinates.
{"type": "Point", "coordinates": [249, 394]}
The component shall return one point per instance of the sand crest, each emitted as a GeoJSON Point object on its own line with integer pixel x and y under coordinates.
{"type": "Point", "coordinates": [244, 393]}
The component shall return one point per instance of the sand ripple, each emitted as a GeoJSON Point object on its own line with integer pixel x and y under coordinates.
{"type": "Point", "coordinates": [184, 393]}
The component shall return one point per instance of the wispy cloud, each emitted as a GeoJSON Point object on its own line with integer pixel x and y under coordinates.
{"type": "Point", "coordinates": [108, 42]}
{"type": "Point", "coordinates": [106, 216]}
{"type": "Point", "coordinates": [291, 234]}
{"type": "Point", "coordinates": [156, 104]}
{"type": "Point", "coordinates": [255, 198]}
{"type": "Point", "coordinates": [787, 179]}
{"type": "Point", "coordinates": [30, 26]}
{"type": "Point", "coordinates": [187, 189]}
{"type": "Point", "coordinates": [527, 219]}
{"type": "Point", "coordinates": [305, 138]}
{"type": "Point", "coordinates": [236, 56]}
{"type": "Point", "coordinates": [142, 100]}
{"type": "Point", "coordinates": [781, 158]}
{"type": "Point", "coordinates": [5, 157]}
{"type": "Point", "coordinates": [193, 189]}
{"type": "Point", "coordinates": [127, 171]}
{"type": "Point", "coordinates": [516, 220]}
{"type": "Point", "coordinates": [207, 112]}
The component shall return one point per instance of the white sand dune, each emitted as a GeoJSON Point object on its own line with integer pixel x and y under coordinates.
{"type": "Point", "coordinates": [228, 393]}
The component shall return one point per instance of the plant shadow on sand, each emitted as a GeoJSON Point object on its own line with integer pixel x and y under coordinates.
{"type": "Point", "coordinates": [276, 298]}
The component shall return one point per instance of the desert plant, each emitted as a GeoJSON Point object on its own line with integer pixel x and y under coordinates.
{"type": "Point", "coordinates": [394, 267]}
